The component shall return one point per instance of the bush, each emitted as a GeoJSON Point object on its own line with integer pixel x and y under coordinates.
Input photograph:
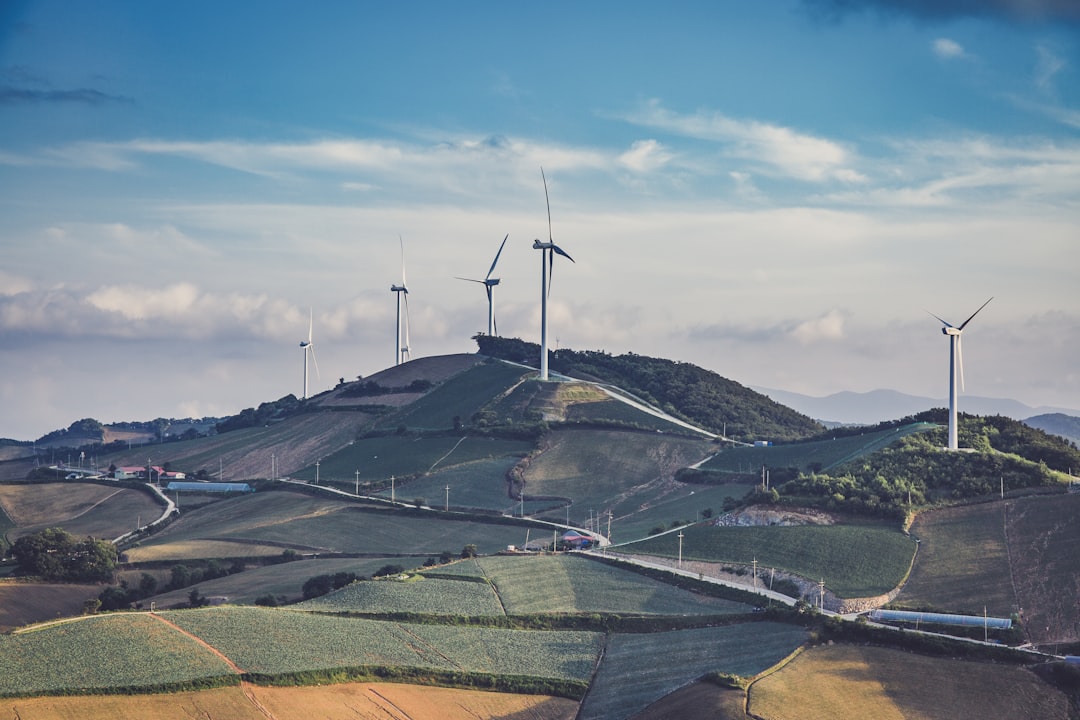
{"type": "Point", "coordinates": [56, 554]}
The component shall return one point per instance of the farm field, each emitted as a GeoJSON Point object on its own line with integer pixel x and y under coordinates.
{"type": "Point", "coordinates": [274, 641]}
{"type": "Point", "coordinates": [103, 511]}
{"type": "Point", "coordinates": [822, 454]}
{"type": "Point", "coordinates": [854, 560]}
{"type": "Point", "coordinates": [619, 469]}
{"type": "Point", "coordinates": [530, 584]}
{"type": "Point", "coordinates": [479, 484]}
{"type": "Point", "coordinates": [638, 670]}
{"type": "Point", "coordinates": [701, 699]}
{"type": "Point", "coordinates": [435, 596]}
{"type": "Point", "coordinates": [377, 458]}
{"type": "Point", "coordinates": [461, 396]}
{"type": "Point", "coordinates": [291, 445]}
{"type": "Point", "coordinates": [347, 701]}
{"type": "Point", "coordinates": [315, 524]}
{"type": "Point", "coordinates": [963, 562]}
{"type": "Point", "coordinates": [856, 682]}
{"type": "Point", "coordinates": [26, 603]}
{"type": "Point", "coordinates": [281, 580]}
{"type": "Point", "coordinates": [1044, 546]}
{"type": "Point", "coordinates": [685, 503]}
{"type": "Point", "coordinates": [107, 651]}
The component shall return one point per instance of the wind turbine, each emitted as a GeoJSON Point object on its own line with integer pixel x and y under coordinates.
{"type": "Point", "coordinates": [956, 367]}
{"type": "Point", "coordinates": [401, 350]}
{"type": "Point", "coordinates": [548, 251]}
{"type": "Point", "coordinates": [309, 349]}
{"type": "Point", "coordinates": [489, 282]}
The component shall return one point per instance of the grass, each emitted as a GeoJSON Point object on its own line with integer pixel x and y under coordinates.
{"type": "Point", "coordinates": [1044, 544]}
{"type": "Point", "coordinates": [640, 669]}
{"type": "Point", "coordinates": [26, 603]}
{"type": "Point", "coordinates": [478, 484]}
{"type": "Point", "coordinates": [107, 652]}
{"type": "Point", "coordinates": [271, 641]}
{"type": "Point", "coordinates": [378, 458]}
{"type": "Point", "coordinates": [459, 397]}
{"type": "Point", "coordinates": [316, 524]}
{"type": "Point", "coordinates": [846, 681]}
{"type": "Point", "coordinates": [854, 560]}
{"type": "Point", "coordinates": [601, 469]}
{"type": "Point", "coordinates": [572, 584]}
{"type": "Point", "coordinates": [822, 454]}
{"type": "Point", "coordinates": [102, 511]}
{"type": "Point", "coordinates": [963, 562]}
{"type": "Point", "coordinates": [433, 596]}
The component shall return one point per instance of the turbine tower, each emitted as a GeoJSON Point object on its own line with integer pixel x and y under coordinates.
{"type": "Point", "coordinates": [548, 251]}
{"type": "Point", "coordinates": [401, 350]}
{"type": "Point", "coordinates": [956, 367]}
{"type": "Point", "coordinates": [309, 349]}
{"type": "Point", "coordinates": [489, 282]}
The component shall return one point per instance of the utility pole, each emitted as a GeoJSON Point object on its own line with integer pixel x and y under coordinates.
{"type": "Point", "coordinates": [317, 470]}
{"type": "Point", "coordinates": [391, 488]}
{"type": "Point", "coordinates": [821, 594]}
{"type": "Point", "coordinates": [755, 574]}
{"type": "Point", "coordinates": [357, 492]}
{"type": "Point", "coordinates": [680, 549]}
{"type": "Point", "coordinates": [446, 507]}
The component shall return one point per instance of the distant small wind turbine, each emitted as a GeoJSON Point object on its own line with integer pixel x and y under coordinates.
{"type": "Point", "coordinates": [489, 282]}
{"type": "Point", "coordinates": [547, 265]}
{"type": "Point", "coordinates": [400, 351]}
{"type": "Point", "coordinates": [956, 367]}
{"type": "Point", "coordinates": [309, 349]}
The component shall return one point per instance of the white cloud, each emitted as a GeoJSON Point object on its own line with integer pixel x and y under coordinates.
{"type": "Point", "coordinates": [829, 326]}
{"type": "Point", "coordinates": [645, 156]}
{"type": "Point", "coordinates": [948, 49]}
{"type": "Point", "coordinates": [1047, 68]}
{"type": "Point", "coordinates": [787, 151]}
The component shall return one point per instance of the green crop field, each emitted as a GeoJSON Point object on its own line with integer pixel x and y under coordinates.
{"type": "Point", "coordinates": [459, 397]}
{"type": "Point", "coordinates": [616, 411]}
{"type": "Point", "coordinates": [290, 519]}
{"type": "Point", "coordinates": [274, 641]}
{"type": "Point", "coordinates": [854, 560]}
{"type": "Point", "coordinates": [1044, 545]}
{"type": "Point", "coordinates": [478, 484]}
{"type": "Point", "coordinates": [848, 682]}
{"type": "Point", "coordinates": [683, 503]}
{"type": "Point", "coordinates": [106, 652]}
{"type": "Point", "coordinates": [281, 580]}
{"type": "Point", "coordinates": [639, 669]}
{"type": "Point", "coordinates": [963, 562]}
{"type": "Point", "coordinates": [530, 584]}
{"type": "Point", "coordinates": [601, 469]}
{"type": "Point", "coordinates": [434, 596]}
{"type": "Point", "coordinates": [378, 458]}
{"type": "Point", "coordinates": [823, 454]}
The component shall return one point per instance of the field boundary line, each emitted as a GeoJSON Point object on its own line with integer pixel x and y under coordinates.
{"type": "Point", "coordinates": [225, 658]}
{"type": "Point", "coordinates": [1008, 554]}
{"type": "Point", "coordinates": [493, 587]}
{"type": "Point", "coordinates": [448, 453]}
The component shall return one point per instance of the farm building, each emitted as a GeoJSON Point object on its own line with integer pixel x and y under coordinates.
{"type": "Point", "coordinates": [940, 619]}
{"type": "Point", "coordinates": [577, 540]}
{"type": "Point", "coordinates": [215, 487]}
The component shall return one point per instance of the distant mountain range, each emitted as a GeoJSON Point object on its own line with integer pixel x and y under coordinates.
{"type": "Point", "coordinates": [878, 405]}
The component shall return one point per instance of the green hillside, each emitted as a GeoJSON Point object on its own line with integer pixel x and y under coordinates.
{"type": "Point", "coordinates": [683, 390]}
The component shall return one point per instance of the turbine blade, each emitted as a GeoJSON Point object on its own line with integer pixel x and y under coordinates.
{"type": "Point", "coordinates": [974, 314]}
{"type": "Point", "coordinates": [551, 267]}
{"type": "Point", "coordinates": [946, 323]}
{"type": "Point", "coordinates": [314, 361]}
{"type": "Point", "coordinates": [496, 260]}
{"type": "Point", "coordinates": [960, 359]}
{"type": "Point", "coordinates": [310, 324]}
{"type": "Point", "coordinates": [562, 252]}
{"type": "Point", "coordinates": [456, 277]}
{"type": "Point", "coordinates": [408, 348]}
{"type": "Point", "coordinates": [546, 200]}
{"type": "Point", "coordinates": [402, 243]}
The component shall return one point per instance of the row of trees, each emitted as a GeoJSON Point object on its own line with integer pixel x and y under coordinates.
{"type": "Point", "coordinates": [55, 554]}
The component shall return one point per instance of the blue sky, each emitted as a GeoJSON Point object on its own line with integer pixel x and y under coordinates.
{"type": "Point", "coordinates": [776, 191]}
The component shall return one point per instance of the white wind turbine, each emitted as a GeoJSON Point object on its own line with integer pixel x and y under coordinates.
{"type": "Point", "coordinates": [956, 367]}
{"type": "Point", "coordinates": [489, 282]}
{"type": "Point", "coordinates": [309, 349]}
{"type": "Point", "coordinates": [547, 264]}
{"type": "Point", "coordinates": [400, 351]}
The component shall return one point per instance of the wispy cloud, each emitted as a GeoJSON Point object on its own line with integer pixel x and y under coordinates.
{"type": "Point", "coordinates": [1047, 68]}
{"type": "Point", "coordinates": [1067, 11]}
{"type": "Point", "coordinates": [784, 150]}
{"type": "Point", "coordinates": [10, 95]}
{"type": "Point", "coordinates": [947, 49]}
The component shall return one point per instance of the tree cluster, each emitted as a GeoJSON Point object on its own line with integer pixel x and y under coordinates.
{"type": "Point", "coordinates": [55, 554]}
{"type": "Point", "coordinates": [257, 417]}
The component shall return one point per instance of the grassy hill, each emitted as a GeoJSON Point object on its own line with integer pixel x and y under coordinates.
{"type": "Point", "coordinates": [680, 389]}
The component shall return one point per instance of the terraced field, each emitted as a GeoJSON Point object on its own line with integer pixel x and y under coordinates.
{"type": "Point", "coordinates": [856, 682]}
{"type": "Point", "coordinates": [854, 560]}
